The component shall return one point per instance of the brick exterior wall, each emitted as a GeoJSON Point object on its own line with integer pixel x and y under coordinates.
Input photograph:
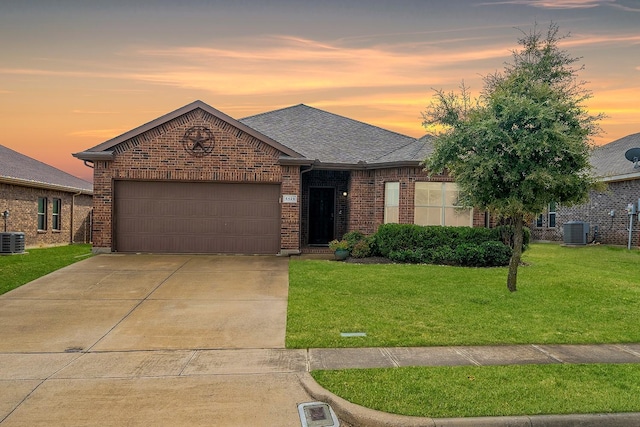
{"type": "Point", "coordinates": [611, 230]}
{"type": "Point", "coordinates": [22, 204]}
{"type": "Point", "coordinates": [159, 155]}
{"type": "Point", "coordinates": [366, 196]}
{"type": "Point", "coordinates": [290, 228]}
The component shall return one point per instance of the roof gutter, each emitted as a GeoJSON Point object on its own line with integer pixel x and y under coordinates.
{"type": "Point", "coordinates": [92, 156]}
{"type": "Point", "coordinates": [318, 165]}
{"type": "Point", "coordinates": [43, 185]}
{"type": "Point", "coordinates": [615, 178]}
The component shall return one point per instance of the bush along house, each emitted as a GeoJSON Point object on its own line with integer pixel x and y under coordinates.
{"type": "Point", "coordinates": [283, 182]}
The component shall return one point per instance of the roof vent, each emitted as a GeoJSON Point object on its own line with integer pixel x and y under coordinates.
{"type": "Point", "coordinates": [576, 232]}
{"type": "Point", "coordinates": [11, 243]}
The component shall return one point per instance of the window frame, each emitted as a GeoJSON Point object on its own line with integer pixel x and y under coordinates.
{"type": "Point", "coordinates": [548, 218]}
{"type": "Point", "coordinates": [43, 204]}
{"type": "Point", "coordinates": [446, 189]}
{"type": "Point", "coordinates": [391, 205]}
{"type": "Point", "coordinates": [56, 214]}
{"type": "Point", "coordinates": [552, 215]}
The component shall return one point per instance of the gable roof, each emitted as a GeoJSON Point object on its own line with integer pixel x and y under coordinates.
{"type": "Point", "coordinates": [332, 139]}
{"type": "Point", "coordinates": [18, 169]}
{"type": "Point", "coordinates": [104, 151]}
{"type": "Point", "coordinates": [609, 162]}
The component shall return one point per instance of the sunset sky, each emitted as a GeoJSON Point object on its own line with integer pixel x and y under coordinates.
{"type": "Point", "coordinates": [76, 73]}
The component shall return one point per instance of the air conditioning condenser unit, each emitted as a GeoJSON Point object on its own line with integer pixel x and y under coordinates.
{"type": "Point", "coordinates": [11, 243]}
{"type": "Point", "coordinates": [576, 233]}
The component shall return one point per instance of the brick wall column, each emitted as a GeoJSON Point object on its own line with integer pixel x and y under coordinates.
{"type": "Point", "coordinates": [290, 212]}
{"type": "Point", "coordinates": [102, 206]}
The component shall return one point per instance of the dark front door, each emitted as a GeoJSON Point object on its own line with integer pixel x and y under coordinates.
{"type": "Point", "coordinates": [321, 215]}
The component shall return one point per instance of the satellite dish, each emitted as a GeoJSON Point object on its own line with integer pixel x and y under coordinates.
{"type": "Point", "coordinates": [633, 155]}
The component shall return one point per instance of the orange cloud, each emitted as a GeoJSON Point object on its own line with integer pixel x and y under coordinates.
{"type": "Point", "coordinates": [555, 4]}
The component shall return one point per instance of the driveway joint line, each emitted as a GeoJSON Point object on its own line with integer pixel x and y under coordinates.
{"type": "Point", "coordinates": [146, 298]}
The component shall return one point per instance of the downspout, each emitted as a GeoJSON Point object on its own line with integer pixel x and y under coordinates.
{"type": "Point", "coordinates": [73, 208]}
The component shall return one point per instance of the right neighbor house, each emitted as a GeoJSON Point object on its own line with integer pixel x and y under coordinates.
{"type": "Point", "coordinates": [606, 211]}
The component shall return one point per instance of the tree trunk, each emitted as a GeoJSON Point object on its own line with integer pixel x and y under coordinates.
{"type": "Point", "coordinates": [512, 278]}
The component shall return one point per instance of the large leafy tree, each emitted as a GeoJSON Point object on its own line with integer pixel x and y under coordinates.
{"type": "Point", "coordinates": [524, 142]}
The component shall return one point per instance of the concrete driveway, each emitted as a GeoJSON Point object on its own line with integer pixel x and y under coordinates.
{"type": "Point", "coordinates": [167, 340]}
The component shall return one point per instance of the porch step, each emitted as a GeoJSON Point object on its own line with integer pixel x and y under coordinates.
{"type": "Point", "coordinates": [316, 250]}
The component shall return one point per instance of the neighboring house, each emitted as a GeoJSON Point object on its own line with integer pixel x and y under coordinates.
{"type": "Point", "coordinates": [48, 205]}
{"type": "Point", "coordinates": [606, 211]}
{"type": "Point", "coordinates": [286, 181]}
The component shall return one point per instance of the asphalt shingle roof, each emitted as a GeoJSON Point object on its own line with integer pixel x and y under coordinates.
{"type": "Point", "coordinates": [330, 138]}
{"type": "Point", "coordinates": [16, 167]}
{"type": "Point", "coordinates": [609, 160]}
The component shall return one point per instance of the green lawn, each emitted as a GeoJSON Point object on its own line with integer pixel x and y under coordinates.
{"type": "Point", "coordinates": [473, 391]}
{"type": "Point", "coordinates": [565, 295]}
{"type": "Point", "coordinates": [16, 270]}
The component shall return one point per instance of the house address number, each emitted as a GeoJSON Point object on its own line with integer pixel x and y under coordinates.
{"type": "Point", "coordinates": [289, 198]}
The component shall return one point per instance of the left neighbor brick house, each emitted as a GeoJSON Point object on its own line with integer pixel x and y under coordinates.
{"type": "Point", "coordinates": [283, 182]}
{"type": "Point", "coordinates": [49, 206]}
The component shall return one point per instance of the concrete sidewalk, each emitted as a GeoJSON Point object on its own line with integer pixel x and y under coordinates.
{"type": "Point", "coordinates": [390, 357]}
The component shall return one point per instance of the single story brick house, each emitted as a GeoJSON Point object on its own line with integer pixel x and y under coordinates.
{"type": "Point", "coordinates": [606, 211]}
{"type": "Point", "coordinates": [198, 181]}
{"type": "Point", "coordinates": [49, 206]}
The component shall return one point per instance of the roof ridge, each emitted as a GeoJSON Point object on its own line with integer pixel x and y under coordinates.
{"type": "Point", "coordinates": [358, 121]}
{"type": "Point", "coordinates": [325, 112]}
{"type": "Point", "coordinates": [416, 140]}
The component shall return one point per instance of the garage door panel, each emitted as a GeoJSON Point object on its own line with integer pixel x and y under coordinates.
{"type": "Point", "coordinates": [196, 217]}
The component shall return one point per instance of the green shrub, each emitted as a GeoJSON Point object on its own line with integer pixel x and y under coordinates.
{"type": "Point", "coordinates": [417, 256]}
{"type": "Point", "coordinates": [497, 254]}
{"type": "Point", "coordinates": [362, 249]}
{"type": "Point", "coordinates": [444, 245]}
{"type": "Point", "coordinates": [470, 255]}
{"type": "Point", "coordinates": [443, 255]}
{"type": "Point", "coordinates": [397, 237]}
{"type": "Point", "coordinates": [352, 238]}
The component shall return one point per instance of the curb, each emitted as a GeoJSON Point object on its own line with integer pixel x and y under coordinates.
{"type": "Point", "coordinates": [359, 416]}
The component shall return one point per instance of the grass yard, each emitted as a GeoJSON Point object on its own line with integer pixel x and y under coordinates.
{"type": "Point", "coordinates": [472, 391]}
{"type": "Point", "coordinates": [16, 270]}
{"type": "Point", "coordinates": [565, 295]}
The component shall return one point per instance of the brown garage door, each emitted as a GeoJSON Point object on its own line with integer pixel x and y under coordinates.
{"type": "Point", "coordinates": [188, 217]}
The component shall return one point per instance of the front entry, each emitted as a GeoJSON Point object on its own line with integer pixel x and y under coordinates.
{"type": "Point", "coordinates": [321, 215]}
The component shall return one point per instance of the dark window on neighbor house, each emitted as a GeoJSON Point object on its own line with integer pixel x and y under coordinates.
{"type": "Point", "coordinates": [56, 224]}
{"type": "Point", "coordinates": [42, 213]}
{"type": "Point", "coordinates": [552, 215]}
